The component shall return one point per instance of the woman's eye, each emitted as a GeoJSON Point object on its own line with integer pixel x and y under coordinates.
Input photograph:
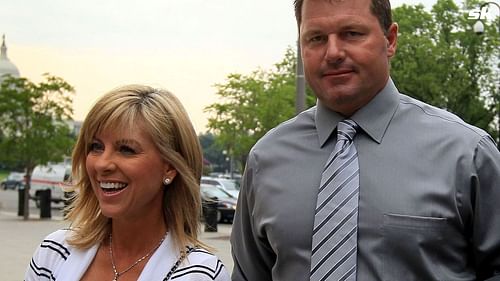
{"type": "Point", "coordinates": [125, 149]}
{"type": "Point", "coordinates": [96, 147]}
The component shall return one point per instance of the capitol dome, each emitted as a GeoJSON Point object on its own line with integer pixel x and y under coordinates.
{"type": "Point", "coordinates": [6, 67]}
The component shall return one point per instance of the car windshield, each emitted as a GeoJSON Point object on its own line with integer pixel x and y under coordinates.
{"type": "Point", "coordinates": [213, 191]}
{"type": "Point", "coordinates": [230, 184]}
{"type": "Point", "coordinates": [16, 176]}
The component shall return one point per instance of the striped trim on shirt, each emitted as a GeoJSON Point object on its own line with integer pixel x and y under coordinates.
{"type": "Point", "coordinates": [197, 266]}
{"type": "Point", "coordinates": [53, 250]}
{"type": "Point", "coordinates": [41, 271]}
{"type": "Point", "coordinates": [56, 247]}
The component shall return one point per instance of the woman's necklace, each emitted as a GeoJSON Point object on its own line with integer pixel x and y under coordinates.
{"type": "Point", "coordinates": [184, 254]}
{"type": "Point", "coordinates": [115, 271]}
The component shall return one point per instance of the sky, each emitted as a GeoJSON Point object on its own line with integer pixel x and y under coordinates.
{"type": "Point", "coordinates": [184, 46]}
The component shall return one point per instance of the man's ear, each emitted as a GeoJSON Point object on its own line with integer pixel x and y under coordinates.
{"type": "Point", "coordinates": [392, 39]}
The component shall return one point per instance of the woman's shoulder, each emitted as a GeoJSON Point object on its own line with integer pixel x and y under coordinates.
{"type": "Point", "coordinates": [201, 264]}
{"type": "Point", "coordinates": [55, 244]}
{"type": "Point", "coordinates": [50, 254]}
{"type": "Point", "coordinates": [58, 235]}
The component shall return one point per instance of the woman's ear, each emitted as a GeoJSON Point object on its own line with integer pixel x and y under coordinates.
{"type": "Point", "coordinates": [170, 173]}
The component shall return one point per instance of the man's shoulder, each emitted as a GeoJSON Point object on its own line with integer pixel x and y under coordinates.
{"type": "Point", "coordinates": [439, 117]}
{"type": "Point", "coordinates": [297, 125]}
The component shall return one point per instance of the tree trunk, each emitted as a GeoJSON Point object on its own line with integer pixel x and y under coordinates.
{"type": "Point", "coordinates": [27, 187]}
{"type": "Point", "coordinates": [26, 201]}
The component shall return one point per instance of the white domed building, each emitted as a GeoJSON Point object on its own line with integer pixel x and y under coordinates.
{"type": "Point", "coordinates": [6, 66]}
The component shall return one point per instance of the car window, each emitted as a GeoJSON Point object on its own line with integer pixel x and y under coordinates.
{"type": "Point", "coordinates": [230, 184]}
{"type": "Point", "coordinates": [214, 191]}
{"type": "Point", "coordinates": [16, 176]}
{"type": "Point", "coordinates": [212, 182]}
{"type": "Point", "coordinates": [227, 184]}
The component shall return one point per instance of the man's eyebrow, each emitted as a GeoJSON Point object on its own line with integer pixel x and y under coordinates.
{"type": "Point", "coordinates": [314, 31]}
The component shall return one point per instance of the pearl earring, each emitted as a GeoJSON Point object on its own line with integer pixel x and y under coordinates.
{"type": "Point", "coordinates": [166, 181]}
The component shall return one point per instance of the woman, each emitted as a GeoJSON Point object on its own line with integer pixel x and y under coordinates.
{"type": "Point", "coordinates": [136, 212]}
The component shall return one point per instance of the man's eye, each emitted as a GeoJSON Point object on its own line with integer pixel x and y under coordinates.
{"type": "Point", "coordinates": [96, 147]}
{"type": "Point", "coordinates": [316, 39]}
{"type": "Point", "coordinates": [353, 34]}
{"type": "Point", "coordinates": [127, 150]}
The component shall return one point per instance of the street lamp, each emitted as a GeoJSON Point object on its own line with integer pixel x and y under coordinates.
{"type": "Point", "coordinates": [300, 83]}
{"type": "Point", "coordinates": [478, 28]}
{"type": "Point", "coordinates": [229, 158]}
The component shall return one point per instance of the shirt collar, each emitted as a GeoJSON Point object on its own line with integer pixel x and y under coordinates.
{"type": "Point", "coordinates": [373, 118]}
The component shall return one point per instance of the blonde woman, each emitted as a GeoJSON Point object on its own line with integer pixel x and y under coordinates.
{"type": "Point", "coordinates": [135, 215]}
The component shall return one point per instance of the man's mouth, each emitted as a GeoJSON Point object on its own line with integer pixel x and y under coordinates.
{"type": "Point", "coordinates": [338, 72]}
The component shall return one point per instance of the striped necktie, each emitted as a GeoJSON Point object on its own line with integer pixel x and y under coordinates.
{"type": "Point", "coordinates": [334, 240]}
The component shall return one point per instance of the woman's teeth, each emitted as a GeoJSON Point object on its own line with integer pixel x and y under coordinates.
{"type": "Point", "coordinates": [111, 186]}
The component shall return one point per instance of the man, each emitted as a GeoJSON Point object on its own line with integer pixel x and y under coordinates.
{"type": "Point", "coordinates": [424, 184]}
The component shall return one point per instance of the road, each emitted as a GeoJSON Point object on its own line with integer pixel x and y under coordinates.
{"type": "Point", "coordinates": [19, 238]}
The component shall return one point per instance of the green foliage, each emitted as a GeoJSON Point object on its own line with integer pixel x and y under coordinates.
{"type": "Point", "coordinates": [213, 153]}
{"type": "Point", "coordinates": [441, 61]}
{"type": "Point", "coordinates": [3, 174]}
{"type": "Point", "coordinates": [252, 105]}
{"type": "Point", "coordinates": [33, 122]}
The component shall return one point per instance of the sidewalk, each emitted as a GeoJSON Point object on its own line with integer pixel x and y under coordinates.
{"type": "Point", "coordinates": [19, 238]}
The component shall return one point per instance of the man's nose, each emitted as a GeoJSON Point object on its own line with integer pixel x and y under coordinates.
{"type": "Point", "coordinates": [335, 49]}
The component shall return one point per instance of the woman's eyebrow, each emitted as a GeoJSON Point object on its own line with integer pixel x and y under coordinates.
{"type": "Point", "coordinates": [128, 142]}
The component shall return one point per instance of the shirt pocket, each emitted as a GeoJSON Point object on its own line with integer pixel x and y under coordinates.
{"type": "Point", "coordinates": [411, 245]}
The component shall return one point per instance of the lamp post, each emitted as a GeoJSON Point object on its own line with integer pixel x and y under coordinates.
{"type": "Point", "coordinates": [300, 84]}
{"type": "Point", "coordinates": [228, 156]}
{"type": "Point", "coordinates": [478, 28]}
{"type": "Point", "coordinates": [479, 25]}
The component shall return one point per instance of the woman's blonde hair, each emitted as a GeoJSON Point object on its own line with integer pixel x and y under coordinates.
{"type": "Point", "coordinates": [168, 124]}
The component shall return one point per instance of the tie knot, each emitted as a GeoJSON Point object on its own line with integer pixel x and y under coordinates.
{"type": "Point", "coordinates": [346, 130]}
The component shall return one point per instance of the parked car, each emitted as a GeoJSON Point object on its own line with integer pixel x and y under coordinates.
{"type": "Point", "coordinates": [226, 203]}
{"type": "Point", "coordinates": [53, 177]}
{"type": "Point", "coordinates": [14, 180]}
{"type": "Point", "coordinates": [231, 186]}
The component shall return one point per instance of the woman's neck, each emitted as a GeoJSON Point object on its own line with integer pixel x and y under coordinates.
{"type": "Point", "coordinates": [135, 236]}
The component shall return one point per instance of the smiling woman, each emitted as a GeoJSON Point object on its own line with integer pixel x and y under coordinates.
{"type": "Point", "coordinates": [137, 166]}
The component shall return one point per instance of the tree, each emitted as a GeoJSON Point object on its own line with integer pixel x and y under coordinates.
{"type": "Point", "coordinates": [33, 123]}
{"type": "Point", "coordinates": [252, 105]}
{"type": "Point", "coordinates": [213, 153]}
{"type": "Point", "coordinates": [441, 61]}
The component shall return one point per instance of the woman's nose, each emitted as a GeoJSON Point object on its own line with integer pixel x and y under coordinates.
{"type": "Point", "coordinates": [105, 162]}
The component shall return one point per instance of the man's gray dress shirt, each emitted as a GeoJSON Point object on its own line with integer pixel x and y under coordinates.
{"type": "Point", "coordinates": [429, 205]}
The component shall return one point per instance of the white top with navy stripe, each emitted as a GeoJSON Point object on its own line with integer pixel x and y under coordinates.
{"type": "Point", "coordinates": [55, 259]}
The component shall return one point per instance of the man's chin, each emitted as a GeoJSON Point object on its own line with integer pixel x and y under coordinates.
{"type": "Point", "coordinates": [343, 102]}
